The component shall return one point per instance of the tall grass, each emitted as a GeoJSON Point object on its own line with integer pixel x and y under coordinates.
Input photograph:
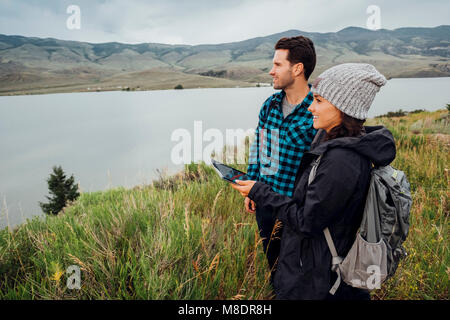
{"type": "Point", "coordinates": [188, 236]}
{"type": "Point", "coordinates": [423, 143]}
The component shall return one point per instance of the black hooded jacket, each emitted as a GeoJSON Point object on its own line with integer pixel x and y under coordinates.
{"type": "Point", "coordinates": [335, 199]}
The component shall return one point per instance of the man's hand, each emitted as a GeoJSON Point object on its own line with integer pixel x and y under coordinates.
{"type": "Point", "coordinates": [250, 205]}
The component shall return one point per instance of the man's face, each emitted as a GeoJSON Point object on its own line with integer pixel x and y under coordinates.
{"type": "Point", "coordinates": [282, 71]}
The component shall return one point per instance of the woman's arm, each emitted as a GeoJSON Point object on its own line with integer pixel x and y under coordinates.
{"type": "Point", "coordinates": [245, 186]}
{"type": "Point", "coordinates": [326, 197]}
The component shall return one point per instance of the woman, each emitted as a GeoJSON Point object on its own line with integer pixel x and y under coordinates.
{"type": "Point", "coordinates": [336, 197]}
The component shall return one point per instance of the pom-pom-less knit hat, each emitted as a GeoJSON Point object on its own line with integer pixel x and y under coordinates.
{"type": "Point", "coordinates": [350, 87]}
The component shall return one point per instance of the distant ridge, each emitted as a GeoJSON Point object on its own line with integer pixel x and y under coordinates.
{"type": "Point", "coordinates": [37, 65]}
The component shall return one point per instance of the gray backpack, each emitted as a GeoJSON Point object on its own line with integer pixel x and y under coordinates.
{"type": "Point", "coordinates": [377, 250]}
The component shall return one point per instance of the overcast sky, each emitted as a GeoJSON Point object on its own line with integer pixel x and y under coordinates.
{"type": "Point", "coordinates": [207, 21]}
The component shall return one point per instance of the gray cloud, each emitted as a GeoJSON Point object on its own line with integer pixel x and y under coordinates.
{"type": "Point", "coordinates": [201, 21]}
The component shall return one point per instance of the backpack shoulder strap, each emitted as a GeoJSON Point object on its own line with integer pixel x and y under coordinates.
{"type": "Point", "coordinates": [330, 243]}
{"type": "Point", "coordinates": [312, 173]}
{"type": "Point", "coordinates": [336, 259]}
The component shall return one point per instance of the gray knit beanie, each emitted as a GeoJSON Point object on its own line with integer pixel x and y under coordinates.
{"type": "Point", "coordinates": [350, 87]}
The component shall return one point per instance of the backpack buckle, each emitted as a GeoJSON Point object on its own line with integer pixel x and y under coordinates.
{"type": "Point", "coordinates": [335, 261]}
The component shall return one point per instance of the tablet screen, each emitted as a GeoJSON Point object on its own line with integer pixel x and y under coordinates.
{"type": "Point", "coordinates": [228, 173]}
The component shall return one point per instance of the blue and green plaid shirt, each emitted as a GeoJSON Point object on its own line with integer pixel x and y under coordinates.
{"type": "Point", "coordinates": [276, 161]}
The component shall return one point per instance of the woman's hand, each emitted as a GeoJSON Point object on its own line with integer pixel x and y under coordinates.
{"type": "Point", "coordinates": [250, 205]}
{"type": "Point", "coordinates": [244, 186]}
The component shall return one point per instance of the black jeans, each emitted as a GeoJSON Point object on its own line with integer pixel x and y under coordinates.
{"type": "Point", "coordinates": [271, 239]}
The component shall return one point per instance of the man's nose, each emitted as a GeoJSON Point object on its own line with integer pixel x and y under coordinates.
{"type": "Point", "coordinates": [272, 72]}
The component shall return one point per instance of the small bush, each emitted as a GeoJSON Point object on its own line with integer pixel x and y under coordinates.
{"type": "Point", "coordinates": [62, 191]}
{"type": "Point", "coordinates": [390, 114]}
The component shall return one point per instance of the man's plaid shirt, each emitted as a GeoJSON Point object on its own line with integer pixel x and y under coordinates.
{"type": "Point", "coordinates": [276, 161]}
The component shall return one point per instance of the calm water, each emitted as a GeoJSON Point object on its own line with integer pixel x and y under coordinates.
{"type": "Point", "coordinates": [110, 139]}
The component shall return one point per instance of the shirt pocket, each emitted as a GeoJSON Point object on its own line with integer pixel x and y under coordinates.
{"type": "Point", "coordinates": [298, 135]}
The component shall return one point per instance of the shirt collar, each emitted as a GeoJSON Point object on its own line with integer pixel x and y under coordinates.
{"type": "Point", "coordinates": [308, 97]}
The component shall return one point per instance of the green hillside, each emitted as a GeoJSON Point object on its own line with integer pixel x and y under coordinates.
{"type": "Point", "coordinates": [35, 65]}
{"type": "Point", "coordinates": [188, 237]}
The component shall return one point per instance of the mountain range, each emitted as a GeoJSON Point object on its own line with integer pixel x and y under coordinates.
{"type": "Point", "coordinates": [38, 65]}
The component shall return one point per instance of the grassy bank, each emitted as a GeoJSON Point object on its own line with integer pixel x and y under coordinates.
{"type": "Point", "coordinates": [423, 145]}
{"type": "Point", "coordinates": [188, 236]}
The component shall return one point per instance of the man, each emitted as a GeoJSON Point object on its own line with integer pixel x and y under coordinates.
{"type": "Point", "coordinates": [285, 131]}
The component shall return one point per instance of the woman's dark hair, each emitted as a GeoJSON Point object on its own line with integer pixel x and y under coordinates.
{"type": "Point", "coordinates": [349, 127]}
{"type": "Point", "coordinates": [301, 49]}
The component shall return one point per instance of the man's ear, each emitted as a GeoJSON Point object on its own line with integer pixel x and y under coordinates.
{"type": "Point", "coordinates": [298, 69]}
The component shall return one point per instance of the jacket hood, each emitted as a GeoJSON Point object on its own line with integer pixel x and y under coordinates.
{"type": "Point", "coordinates": [377, 144]}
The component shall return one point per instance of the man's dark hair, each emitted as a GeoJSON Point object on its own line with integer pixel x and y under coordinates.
{"type": "Point", "coordinates": [301, 49]}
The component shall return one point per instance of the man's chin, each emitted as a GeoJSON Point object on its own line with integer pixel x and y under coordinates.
{"type": "Point", "coordinates": [277, 87]}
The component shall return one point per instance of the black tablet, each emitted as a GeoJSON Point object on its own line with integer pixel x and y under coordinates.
{"type": "Point", "coordinates": [228, 173]}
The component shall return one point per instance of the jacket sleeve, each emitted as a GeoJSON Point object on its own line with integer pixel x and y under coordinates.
{"type": "Point", "coordinates": [254, 164]}
{"type": "Point", "coordinates": [326, 197]}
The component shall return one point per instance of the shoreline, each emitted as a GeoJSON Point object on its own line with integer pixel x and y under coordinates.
{"type": "Point", "coordinates": [110, 88]}
{"type": "Point", "coordinates": [94, 90]}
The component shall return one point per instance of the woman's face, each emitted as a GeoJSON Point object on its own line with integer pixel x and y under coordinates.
{"type": "Point", "coordinates": [326, 116]}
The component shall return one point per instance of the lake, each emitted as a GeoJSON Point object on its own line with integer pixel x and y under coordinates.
{"type": "Point", "coordinates": [109, 139]}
